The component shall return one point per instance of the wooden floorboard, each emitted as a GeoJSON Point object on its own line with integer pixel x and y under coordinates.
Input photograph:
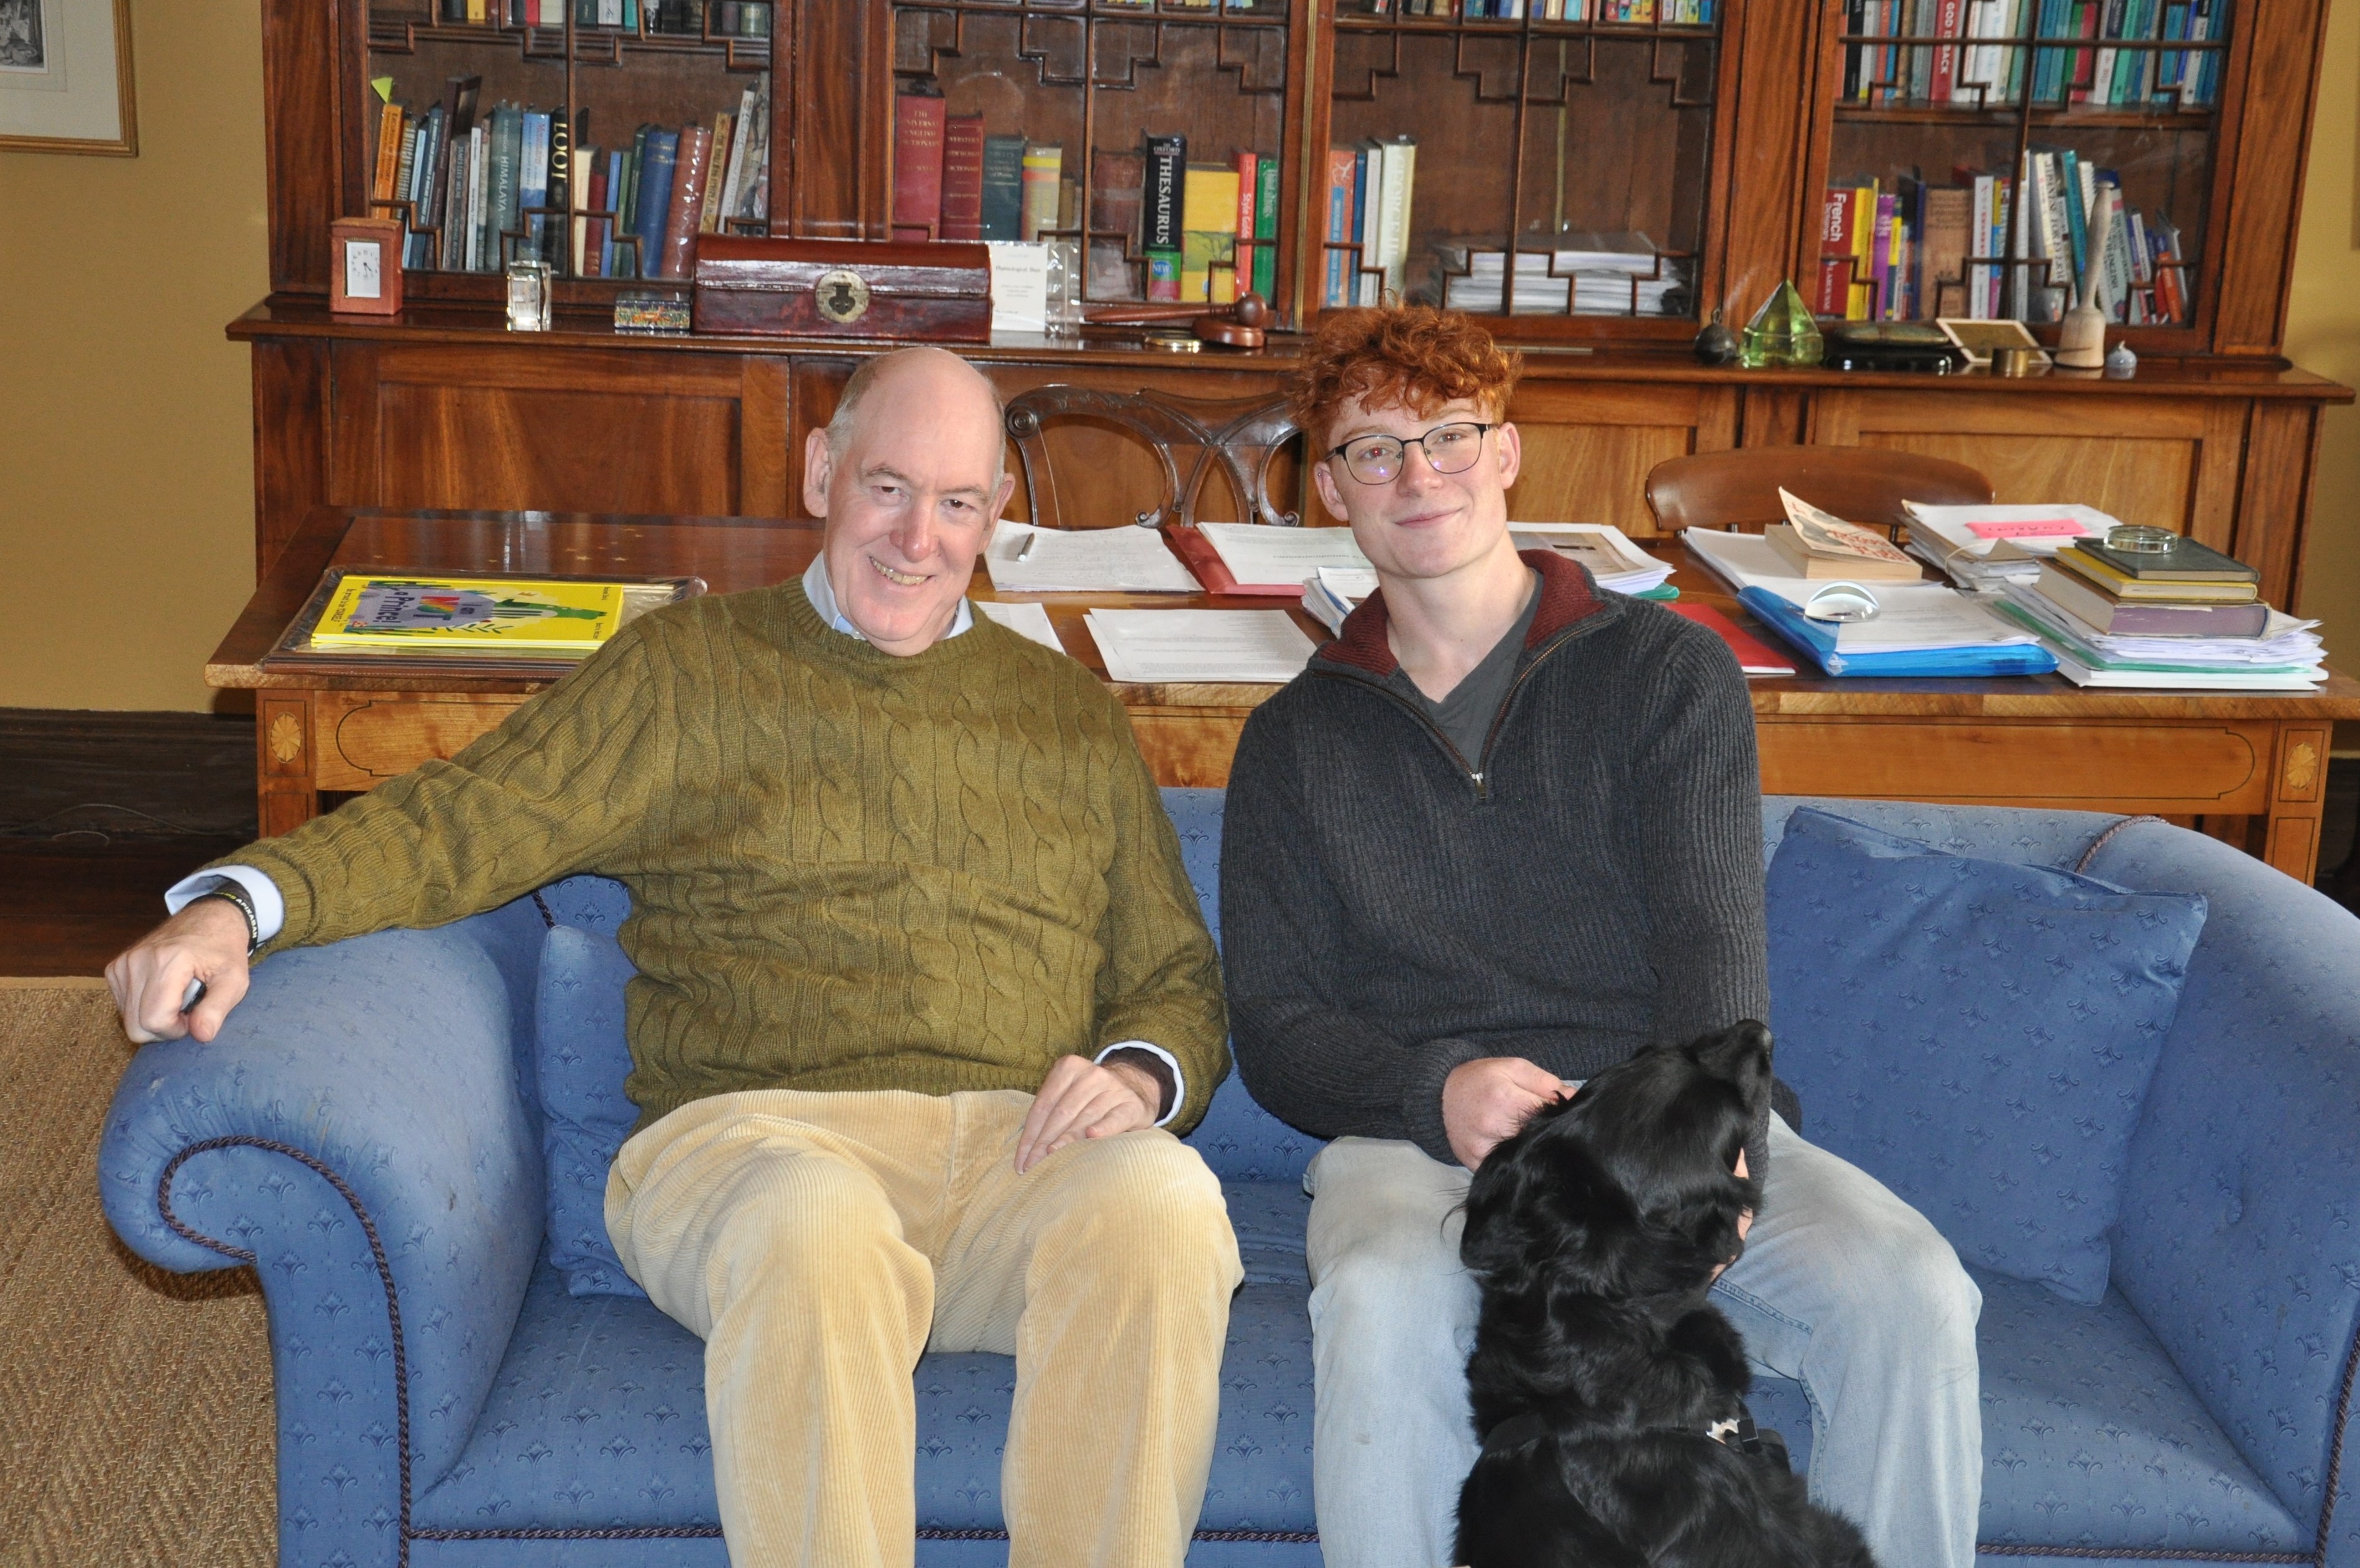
{"type": "Point", "coordinates": [68, 906]}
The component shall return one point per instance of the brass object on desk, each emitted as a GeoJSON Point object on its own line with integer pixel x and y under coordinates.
{"type": "Point", "coordinates": [2014, 362]}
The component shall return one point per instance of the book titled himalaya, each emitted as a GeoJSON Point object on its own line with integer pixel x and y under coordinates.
{"type": "Point", "coordinates": [378, 612]}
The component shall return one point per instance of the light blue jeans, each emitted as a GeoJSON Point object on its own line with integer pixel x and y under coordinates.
{"type": "Point", "coordinates": [1843, 1287]}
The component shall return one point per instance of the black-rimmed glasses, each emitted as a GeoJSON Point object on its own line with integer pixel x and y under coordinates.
{"type": "Point", "coordinates": [1449, 448]}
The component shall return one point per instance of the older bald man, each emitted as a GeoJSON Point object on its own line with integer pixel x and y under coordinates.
{"type": "Point", "coordinates": [923, 995]}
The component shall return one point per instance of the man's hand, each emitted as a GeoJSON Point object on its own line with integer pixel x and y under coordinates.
{"type": "Point", "coordinates": [1485, 1101]}
{"type": "Point", "coordinates": [1079, 1099]}
{"type": "Point", "coordinates": [206, 941]}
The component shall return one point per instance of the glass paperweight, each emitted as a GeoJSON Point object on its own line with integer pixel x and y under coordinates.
{"type": "Point", "coordinates": [1782, 335]}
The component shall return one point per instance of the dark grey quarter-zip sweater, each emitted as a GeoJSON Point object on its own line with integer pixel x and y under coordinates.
{"type": "Point", "coordinates": [1589, 885]}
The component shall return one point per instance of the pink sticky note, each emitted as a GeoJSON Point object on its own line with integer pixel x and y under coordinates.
{"type": "Point", "coordinates": [2039, 527]}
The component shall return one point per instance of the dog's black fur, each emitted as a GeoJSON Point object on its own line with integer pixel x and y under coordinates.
{"type": "Point", "coordinates": [1595, 1232]}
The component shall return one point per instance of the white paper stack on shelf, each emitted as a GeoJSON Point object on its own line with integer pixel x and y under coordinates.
{"type": "Point", "coordinates": [1149, 645]}
{"type": "Point", "coordinates": [1984, 547]}
{"type": "Point", "coordinates": [1083, 560]}
{"type": "Point", "coordinates": [1335, 592]}
{"type": "Point", "coordinates": [1912, 617]}
{"type": "Point", "coordinates": [1613, 560]}
{"type": "Point", "coordinates": [1600, 274]}
{"type": "Point", "coordinates": [2287, 656]}
{"type": "Point", "coordinates": [1025, 619]}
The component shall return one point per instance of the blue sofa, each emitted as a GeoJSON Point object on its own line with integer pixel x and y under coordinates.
{"type": "Point", "coordinates": [367, 1132]}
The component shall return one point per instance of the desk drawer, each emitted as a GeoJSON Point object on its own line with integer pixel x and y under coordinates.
{"type": "Point", "coordinates": [2172, 767]}
{"type": "Point", "coordinates": [359, 740]}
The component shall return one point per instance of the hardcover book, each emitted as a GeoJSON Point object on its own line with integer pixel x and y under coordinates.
{"type": "Point", "coordinates": [377, 610]}
{"type": "Point", "coordinates": [962, 178]}
{"type": "Point", "coordinates": [1003, 188]}
{"type": "Point", "coordinates": [1161, 212]}
{"type": "Point", "coordinates": [687, 200]}
{"type": "Point", "coordinates": [1044, 169]}
{"type": "Point", "coordinates": [918, 117]}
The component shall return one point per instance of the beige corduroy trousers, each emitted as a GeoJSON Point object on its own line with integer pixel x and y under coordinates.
{"type": "Point", "coordinates": [819, 1241]}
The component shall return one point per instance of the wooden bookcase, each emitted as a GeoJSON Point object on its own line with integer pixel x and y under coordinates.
{"type": "Point", "coordinates": [1718, 138]}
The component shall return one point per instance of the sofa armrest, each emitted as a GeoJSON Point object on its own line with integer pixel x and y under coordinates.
{"type": "Point", "coordinates": [356, 1133]}
{"type": "Point", "coordinates": [2239, 1242]}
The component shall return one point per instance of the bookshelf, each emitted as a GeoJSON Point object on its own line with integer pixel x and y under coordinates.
{"type": "Point", "coordinates": [2018, 152]}
{"type": "Point", "coordinates": [1713, 131]}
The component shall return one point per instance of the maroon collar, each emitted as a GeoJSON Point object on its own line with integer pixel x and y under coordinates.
{"type": "Point", "coordinates": [1566, 597]}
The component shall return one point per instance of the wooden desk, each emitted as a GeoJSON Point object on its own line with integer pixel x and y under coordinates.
{"type": "Point", "coordinates": [2249, 768]}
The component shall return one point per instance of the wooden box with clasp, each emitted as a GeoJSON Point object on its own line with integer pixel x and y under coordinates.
{"type": "Point", "coordinates": [831, 288]}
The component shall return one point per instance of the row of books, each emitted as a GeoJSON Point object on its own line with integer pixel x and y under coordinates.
{"type": "Point", "coordinates": [1151, 211]}
{"type": "Point", "coordinates": [1910, 252]}
{"type": "Point", "coordinates": [1369, 188]}
{"type": "Point", "coordinates": [1673, 13]}
{"type": "Point", "coordinates": [484, 191]}
{"type": "Point", "coordinates": [1989, 65]}
{"type": "Point", "coordinates": [679, 19]}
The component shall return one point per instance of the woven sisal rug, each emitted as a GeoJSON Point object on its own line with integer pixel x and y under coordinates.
{"type": "Point", "coordinates": [135, 1405]}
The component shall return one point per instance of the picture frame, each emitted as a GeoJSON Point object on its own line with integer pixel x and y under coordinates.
{"type": "Point", "coordinates": [1978, 338]}
{"type": "Point", "coordinates": [66, 77]}
{"type": "Point", "coordinates": [364, 267]}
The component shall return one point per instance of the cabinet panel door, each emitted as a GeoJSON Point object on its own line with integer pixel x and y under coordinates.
{"type": "Point", "coordinates": [1588, 447]}
{"type": "Point", "coordinates": [529, 428]}
{"type": "Point", "coordinates": [2169, 463]}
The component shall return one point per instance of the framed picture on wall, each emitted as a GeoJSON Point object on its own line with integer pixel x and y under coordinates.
{"type": "Point", "coordinates": [65, 77]}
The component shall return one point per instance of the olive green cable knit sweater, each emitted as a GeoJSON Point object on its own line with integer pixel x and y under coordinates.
{"type": "Point", "coordinates": [848, 870]}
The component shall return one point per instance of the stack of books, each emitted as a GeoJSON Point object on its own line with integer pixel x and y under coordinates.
{"type": "Point", "coordinates": [2188, 616]}
{"type": "Point", "coordinates": [1587, 274]}
{"type": "Point", "coordinates": [1984, 548]}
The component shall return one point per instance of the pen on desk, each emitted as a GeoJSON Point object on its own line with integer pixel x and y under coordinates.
{"type": "Point", "coordinates": [1025, 549]}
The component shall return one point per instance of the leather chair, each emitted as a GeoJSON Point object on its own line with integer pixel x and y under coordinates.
{"type": "Point", "coordinates": [1237, 437]}
{"type": "Point", "coordinates": [1738, 490]}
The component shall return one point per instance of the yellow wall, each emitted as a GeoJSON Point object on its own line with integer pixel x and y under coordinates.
{"type": "Point", "coordinates": [126, 445]}
{"type": "Point", "coordinates": [126, 420]}
{"type": "Point", "coordinates": [2324, 335]}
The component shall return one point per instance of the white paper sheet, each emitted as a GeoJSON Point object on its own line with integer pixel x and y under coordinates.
{"type": "Point", "coordinates": [1025, 619]}
{"type": "Point", "coordinates": [1020, 286]}
{"type": "Point", "coordinates": [1125, 559]}
{"type": "Point", "coordinates": [1260, 555]}
{"type": "Point", "coordinates": [1200, 644]}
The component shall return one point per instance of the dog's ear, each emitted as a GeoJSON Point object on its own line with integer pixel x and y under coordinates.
{"type": "Point", "coordinates": [1540, 1204]}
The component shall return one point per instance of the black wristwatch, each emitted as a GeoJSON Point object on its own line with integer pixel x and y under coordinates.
{"type": "Point", "coordinates": [230, 892]}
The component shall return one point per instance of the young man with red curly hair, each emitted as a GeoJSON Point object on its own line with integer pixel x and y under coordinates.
{"type": "Point", "coordinates": [1504, 831]}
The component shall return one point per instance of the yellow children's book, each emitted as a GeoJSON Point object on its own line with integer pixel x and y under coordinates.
{"type": "Point", "coordinates": [473, 614]}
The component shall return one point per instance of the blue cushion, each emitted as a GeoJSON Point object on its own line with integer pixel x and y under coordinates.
{"type": "Point", "coordinates": [1976, 1034]}
{"type": "Point", "coordinates": [581, 1060]}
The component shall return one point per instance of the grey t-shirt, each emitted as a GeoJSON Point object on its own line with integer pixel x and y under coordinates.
{"type": "Point", "coordinates": [1465, 711]}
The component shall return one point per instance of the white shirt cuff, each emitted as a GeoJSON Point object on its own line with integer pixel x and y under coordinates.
{"type": "Point", "coordinates": [1179, 1081]}
{"type": "Point", "coordinates": [269, 908]}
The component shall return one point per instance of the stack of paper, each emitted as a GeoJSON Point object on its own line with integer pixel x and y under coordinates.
{"type": "Point", "coordinates": [1617, 563]}
{"type": "Point", "coordinates": [1124, 559]}
{"type": "Point", "coordinates": [1920, 628]}
{"type": "Point", "coordinates": [1261, 557]}
{"type": "Point", "coordinates": [1593, 274]}
{"type": "Point", "coordinates": [1335, 592]}
{"type": "Point", "coordinates": [1984, 547]}
{"type": "Point", "coordinates": [1150, 646]}
{"type": "Point", "coordinates": [2287, 656]}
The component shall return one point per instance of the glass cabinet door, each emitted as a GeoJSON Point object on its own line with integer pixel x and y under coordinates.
{"type": "Point", "coordinates": [1543, 160]}
{"type": "Point", "coordinates": [1144, 140]}
{"type": "Point", "coordinates": [597, 135]}
{"type": "Point", "coordinates": [2000, 158]}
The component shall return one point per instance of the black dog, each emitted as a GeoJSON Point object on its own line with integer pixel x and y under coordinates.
{"type": "Point", "coordinates": [1603, 1382]}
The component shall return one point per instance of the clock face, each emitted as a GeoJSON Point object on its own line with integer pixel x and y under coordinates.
{"type": "Point", "coordinates": [362, 280]}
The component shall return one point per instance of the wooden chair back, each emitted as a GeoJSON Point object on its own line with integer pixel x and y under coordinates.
{"type": "Point", "coordinates": [1859, 484]}
{"type": "Point", "coordinates": [1192, 438]}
